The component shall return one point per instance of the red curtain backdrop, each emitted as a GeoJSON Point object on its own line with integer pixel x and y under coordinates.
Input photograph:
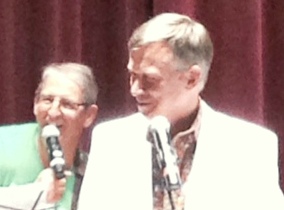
{"type": "Point", "coordinates": [245, 79]}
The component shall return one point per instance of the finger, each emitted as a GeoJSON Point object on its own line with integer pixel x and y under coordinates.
{"type": "Point", "coordinates": [60, 183]}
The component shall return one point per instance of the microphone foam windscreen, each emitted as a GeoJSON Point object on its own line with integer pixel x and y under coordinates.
{"type": "Point", "coordinates": [50, 130]}
{"type": "Point", "coordinates": [159, 122]}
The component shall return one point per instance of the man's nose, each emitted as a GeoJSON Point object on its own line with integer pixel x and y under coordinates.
{"type": "Point", "coordinates": [136, 89]}
{"type": "Point", "coordinates": [54, 110]}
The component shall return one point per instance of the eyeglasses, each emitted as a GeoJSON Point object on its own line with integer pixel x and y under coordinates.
{"type": "Point", "coordinates": [65, 105]}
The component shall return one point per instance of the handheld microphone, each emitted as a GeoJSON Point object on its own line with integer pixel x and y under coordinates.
{"type": "Point", "coordinates": [159, 135]}
{"type": "Point", "coordinates": [51, 135]}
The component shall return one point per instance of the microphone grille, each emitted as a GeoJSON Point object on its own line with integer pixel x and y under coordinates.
{"type": "Point", "coordinates": [50, 130]}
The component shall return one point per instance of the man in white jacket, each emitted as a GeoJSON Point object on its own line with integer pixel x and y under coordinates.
{"type": "Point", "coordinates": [224, 163]}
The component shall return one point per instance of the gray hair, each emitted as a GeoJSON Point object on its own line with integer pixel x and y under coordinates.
{"type": "Point", "coordinates": [189, 40]}
{"type": "Point", "coordinates": [79, 73]}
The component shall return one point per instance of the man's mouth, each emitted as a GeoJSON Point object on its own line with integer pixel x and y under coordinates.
{"type": "Point", "coordinates": [142, 104]}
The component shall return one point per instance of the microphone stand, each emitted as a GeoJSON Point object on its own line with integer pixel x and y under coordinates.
{"type": "Point", "coordinates": [171, 199]}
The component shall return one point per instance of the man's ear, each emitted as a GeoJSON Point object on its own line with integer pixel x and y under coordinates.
{"type": "Point", "coordinates": [193, 76]}
{"type": "Point", "coordinates": [91, 114]}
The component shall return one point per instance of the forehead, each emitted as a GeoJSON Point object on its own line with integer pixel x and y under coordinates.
{"type": "Point", "coordinates": [59, 84]}
{"type": "Point", "coordinates": [157, 54]}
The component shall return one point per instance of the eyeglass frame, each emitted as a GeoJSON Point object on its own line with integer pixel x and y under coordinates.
{"type": "Point", "coordinates": [49, 99]}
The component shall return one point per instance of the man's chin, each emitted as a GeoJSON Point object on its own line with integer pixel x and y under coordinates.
{"type": "Point", "coordinates": [144, 110]}
{"type": "Point", "coordinates": [147, 113]}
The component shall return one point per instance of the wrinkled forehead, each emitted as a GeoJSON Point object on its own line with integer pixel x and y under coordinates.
{"type": "Point", "coordinates": [62, 74]}
{"type": "Point", "coordinates": [156, 53]}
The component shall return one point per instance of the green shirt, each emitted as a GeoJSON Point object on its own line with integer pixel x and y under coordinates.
{"type": "Point", "coordinates": [20, 162]}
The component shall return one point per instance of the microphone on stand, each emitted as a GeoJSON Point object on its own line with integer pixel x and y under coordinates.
{"type": "Point", "coordinates": [159, 135]}
{"type": "Point", "coordinates": [51, 134]}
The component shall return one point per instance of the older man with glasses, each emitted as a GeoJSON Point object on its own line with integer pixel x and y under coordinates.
{"type": "Point", "coordinates": [64, 99]}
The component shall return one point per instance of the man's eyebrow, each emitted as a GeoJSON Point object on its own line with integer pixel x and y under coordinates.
{"type": "Point", "coordinates": [46, 95]}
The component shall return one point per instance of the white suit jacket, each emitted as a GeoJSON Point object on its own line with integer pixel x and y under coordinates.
{"type": "Point", "coordinates": [234, 167]}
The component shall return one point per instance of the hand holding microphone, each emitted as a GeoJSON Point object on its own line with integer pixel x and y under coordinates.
{"type": "Point", "coordinates": [52, 180]}
{"type": "Point", "coordinates": [159, 134]}
{"type": "Point", "coordinates": [51, 134]}
{"type": "Point", "coordinates": [52, 188]}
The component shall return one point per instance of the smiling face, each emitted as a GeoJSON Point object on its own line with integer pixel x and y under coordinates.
{"type": "Point", "coordinates": [60, 101]}
{"type": "Point", "coordinates": [159, 89]}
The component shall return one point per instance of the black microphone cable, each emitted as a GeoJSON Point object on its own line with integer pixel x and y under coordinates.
{"type": "Point", "coordinates": [10, 208]}
{"type": "Point", "coordinates": [37, 200]}
{"type": "Point", "coordinates": [34, 205]}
